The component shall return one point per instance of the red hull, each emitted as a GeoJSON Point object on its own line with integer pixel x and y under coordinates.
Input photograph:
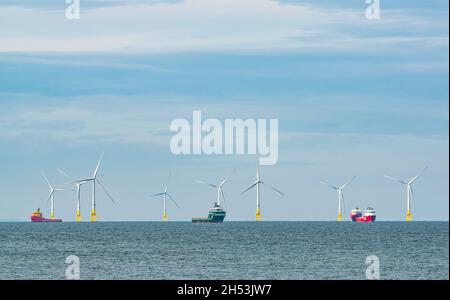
{"type": "Point", "coordinates": [353, 217]}
{"type": "Point", "coordinates": [366, 219]}
{"type": "Point", "coordinates": [40, 219]}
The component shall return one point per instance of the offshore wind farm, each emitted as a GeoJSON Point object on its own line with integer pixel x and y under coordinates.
{"type": "Point", "coordinates": [217, 213]}
{"type": "Point", "coordinates": [225, 139]}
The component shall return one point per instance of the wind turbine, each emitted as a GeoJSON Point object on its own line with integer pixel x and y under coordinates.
{"type": "Point", "coordinates": [94, 179]}
{"type": "Point", "coordinates": [257, 184]}
{"type": "Point", "coordinates": [78, 217]}
{"type": "Point", "coordinates": [409, 192]}
{"type": "Point", "coordinates": [165, 194]}
{"type": "Point", "coordinates": [51, 196]}
{"type": "Point", "coordinates": [218, 187]}
{"type": "Point", "coordinates": [340, 195]}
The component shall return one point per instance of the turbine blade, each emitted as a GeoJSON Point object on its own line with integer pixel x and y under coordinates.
{"type": "Point", "coordinates": [353, 178]}
{"type": "Point", "coordinates": [331, 186]}
{"type": "Point", "coordinates": [276, 190]}
{"type": "Point", "coordinates": [98, 166]}
{"type": "Point", "coordinates": [173, 200]}
{"type": "Point", "coordinates": [159, 194]}
{"type": "Point", "coordinates": [421, 172]}
{"type": "Point", "coordinates": [168, 182]}
{"type": "Point", "coordinates": [223, 195]}
{"type": "Point", "coordinates": [226, 179]}
{"type": "Point", "coordinates": [64, 174]}
{"type": "Point", "coordinates": [253, 185]}
{"type": "Point", "coordinates": [211, 185]}
{"type": "Point", "coordinates": [106, 191]}
{"type": "Point", "coordinates": [395, 179]}
{"type": "Point", "coordinates": [412, 197]}
{"type": "Point", "coordinates": [46, 179]}
{"type": "Point", "coordinates": [49, 197]}
{"type": "Point", "coordinates": [83, 181]}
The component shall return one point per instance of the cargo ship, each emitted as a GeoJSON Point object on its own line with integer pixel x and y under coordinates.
{"type": "Point", "coordinates": [37, 217]}
{"type": "Point", "coordinates": [366, 216]}
{"type": "Point", "coordinates": [216, 215]}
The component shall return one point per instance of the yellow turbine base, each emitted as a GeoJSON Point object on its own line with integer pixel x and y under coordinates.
{"type": "Point", "coordinates": [78, 217]}
{"type": "Point", "coordinates": [52, 216]}
{"type": "Point", "coordinates": [93, 216]}
{"type": "Point", "coordinates": [164, 218]}
{"type": "Point", "coordinates": [409, 216]}
{"type": "Point", "coordinates": [258, 216]}
{"type": "Point", "coordinates": [339, 217]}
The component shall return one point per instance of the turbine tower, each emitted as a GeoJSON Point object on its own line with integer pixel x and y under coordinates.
{"type": "Point", "coordinates": [78, 217]}
{"type": "Point", "coordinates": [94, 179]}
{"type": "Point", "coordinates": [218, 187]}
{"type": "Point", "coordinates": [257, 184]}
{"type": "Point", "coordinates": [165, 194]}
{"type": "Point", "coordinates": [409, 192]}
{"type": "Point", "coordinates": [51, 196]}
{"type": "Point", "coordinates": [340, 196]}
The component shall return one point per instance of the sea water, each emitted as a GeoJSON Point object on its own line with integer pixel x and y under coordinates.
{"type": "Point", "coordinates": [233, 250]}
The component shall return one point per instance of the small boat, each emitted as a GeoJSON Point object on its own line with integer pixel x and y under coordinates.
{"type": "Point", "coordinates": [37, 217]}
{"type": "Point", "coordinates": [368, 216]}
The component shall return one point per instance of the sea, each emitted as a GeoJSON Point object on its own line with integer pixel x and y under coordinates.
{"type": "Point", "coordinates": [233, 250]}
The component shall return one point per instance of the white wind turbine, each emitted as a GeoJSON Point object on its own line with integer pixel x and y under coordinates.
{"type": "Point", "coordinates": [94, 179]}
{"type": "Point", "coordinates": [340, 195]}
{"type": "Point", "coordinates": [166, 194]}
{"type": "Point", "coordinates": [218, 187]}
{"type": "Point", "coordinates": [257, 184]}
{"type": "Point", "coordinates": [409, 192]}
{"type": "Point", "coordinates": [51, 196]}
{"type": "Point", "coordinates": [78, 217]}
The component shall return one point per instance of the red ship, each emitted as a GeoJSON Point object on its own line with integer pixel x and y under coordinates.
{"type": "Point", "coordinates": [367, 216]}
{"type": "Point", "coordinates": [37, 217]}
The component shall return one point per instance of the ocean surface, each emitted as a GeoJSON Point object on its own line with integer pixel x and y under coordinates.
{"type": "Point", "coordinates": [233, 250]}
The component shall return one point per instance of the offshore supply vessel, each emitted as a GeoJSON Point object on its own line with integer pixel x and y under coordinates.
{"type": "Point", "coordinates": [366, 216]}
{"type": "Point", "coordinates": [216, 215]}
{"type": "Point", "coordinates": [37, 217]}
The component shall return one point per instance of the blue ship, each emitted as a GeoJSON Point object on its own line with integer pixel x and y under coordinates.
{"type": "Point", "coordinates": [216, 215]}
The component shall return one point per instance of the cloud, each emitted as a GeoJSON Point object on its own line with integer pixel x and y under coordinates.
{"type": "Point", "coordinates": [145, 119]}
{"type": "Point", "coordinates": [85, 4]}
{"type": "Point", "coordinates": [221, 25]}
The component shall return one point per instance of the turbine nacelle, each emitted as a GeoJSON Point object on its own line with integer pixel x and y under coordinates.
{"type": "Point", "coordinates": [218, 187]}
{"type": "Point", "coordinates": [257, 184]}
{"type": "Point", "coordinates": [340, 191]}
{"type": "Point", "coordinates": [51, 197]}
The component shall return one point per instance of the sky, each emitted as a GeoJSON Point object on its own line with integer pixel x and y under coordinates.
{"type": "Point", "coordinates": [354, 97]}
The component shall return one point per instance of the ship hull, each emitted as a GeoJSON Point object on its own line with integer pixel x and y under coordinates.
{"type": "Point", "coordinates": [205, 220]}
{"type": "Point", "coordinates": [212, 218]}
{"type": "Point", "coordinates": [366, 219]}
{"type": "Point", "coordinates": [353, 217]}
{"type": "Point", "coordinates": [36, 219]}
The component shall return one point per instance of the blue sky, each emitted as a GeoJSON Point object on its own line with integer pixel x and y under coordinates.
{"type": "Point", "coordinates": [353, 97]}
